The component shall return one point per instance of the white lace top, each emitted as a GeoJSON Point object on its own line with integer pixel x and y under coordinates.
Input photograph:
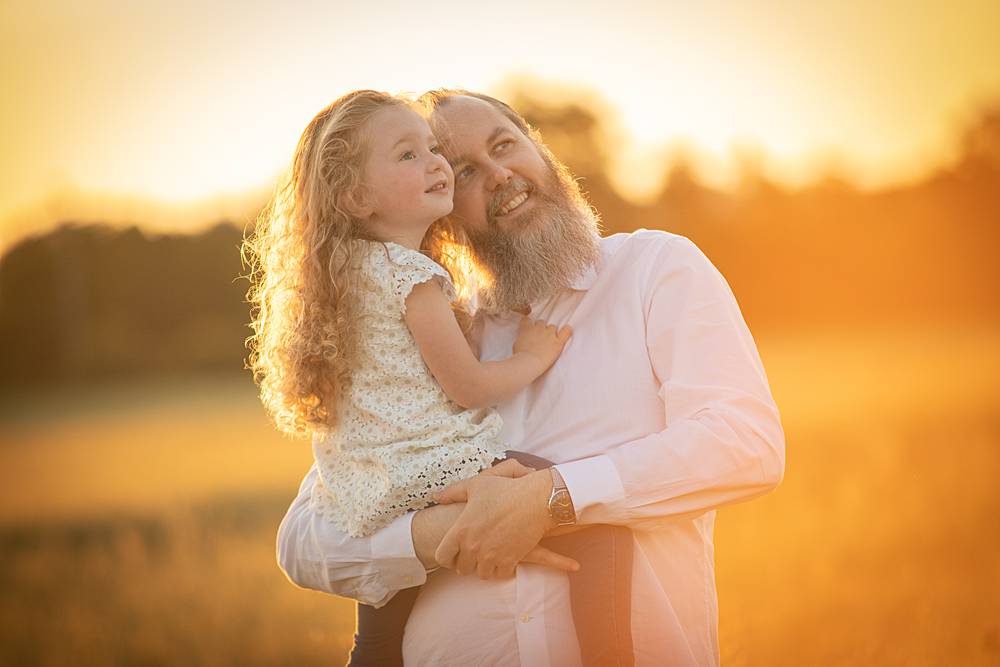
{"type": "Point", "coordinates": [399, 437]}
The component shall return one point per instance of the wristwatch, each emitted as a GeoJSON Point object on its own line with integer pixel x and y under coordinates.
{"type": "Point", "coordinates": [560, 504]}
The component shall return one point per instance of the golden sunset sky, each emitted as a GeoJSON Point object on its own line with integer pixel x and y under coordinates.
{"type": "Point", "coordinates": [183, 102]}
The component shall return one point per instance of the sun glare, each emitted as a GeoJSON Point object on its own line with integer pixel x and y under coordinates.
{"type": "Point", "coordinates": [219, 117]}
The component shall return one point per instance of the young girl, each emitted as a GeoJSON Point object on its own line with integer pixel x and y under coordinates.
{"type": "Point", "coordinates": [355, 342]}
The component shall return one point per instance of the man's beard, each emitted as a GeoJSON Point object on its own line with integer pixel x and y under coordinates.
{"type": "Point", "coordinates": [548, 247]}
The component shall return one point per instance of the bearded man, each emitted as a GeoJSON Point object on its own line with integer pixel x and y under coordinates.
{"type": "Point", "coordinates": [657, 413]}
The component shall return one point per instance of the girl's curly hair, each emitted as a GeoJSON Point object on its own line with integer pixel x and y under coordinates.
{"type": "Point", "coordinates": [302, 269]}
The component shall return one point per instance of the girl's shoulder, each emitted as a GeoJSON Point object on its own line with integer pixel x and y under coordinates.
{"type": "Point", "coordinates": [395, 269]}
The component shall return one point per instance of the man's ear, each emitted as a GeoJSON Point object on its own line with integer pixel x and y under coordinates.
{"type": "Point", "coordinates": [358, 203]}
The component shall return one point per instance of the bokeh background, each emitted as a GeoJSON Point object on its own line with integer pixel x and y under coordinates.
{"type": "Point", "coordinates": [839, 162]}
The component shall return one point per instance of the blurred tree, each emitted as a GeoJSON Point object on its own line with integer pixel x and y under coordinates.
{"type": "Point", "coordinates": [89, 301]}
{"type": "Point", "coordinates": [980, 143]}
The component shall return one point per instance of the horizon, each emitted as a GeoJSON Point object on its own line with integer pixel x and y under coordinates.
{"type": "Point", "coordinates": [69, 204]}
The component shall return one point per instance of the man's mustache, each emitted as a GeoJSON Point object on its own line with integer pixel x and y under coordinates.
{"type": "Point", "coordinates": [515, 187]}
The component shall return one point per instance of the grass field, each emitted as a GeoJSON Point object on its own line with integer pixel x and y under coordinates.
{"type": "Point", "coordinates": [137, 520]}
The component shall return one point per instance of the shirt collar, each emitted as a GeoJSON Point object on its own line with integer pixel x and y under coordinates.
{"type": "Point", "coordinates": [585, 280]}
{"type": "Point", "coordinates": [581, 283]}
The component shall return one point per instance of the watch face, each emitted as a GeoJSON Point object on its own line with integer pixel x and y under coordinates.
{"type": "Point", "coordinates": [561, 507]}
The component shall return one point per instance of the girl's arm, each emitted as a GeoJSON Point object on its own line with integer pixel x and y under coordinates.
{"type": "Point", "coordinates": [466, 380]}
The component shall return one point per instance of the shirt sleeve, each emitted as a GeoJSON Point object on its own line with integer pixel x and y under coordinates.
{"type": "Point", "coordinates": [314, 554]}
{"type": "Point", "coordinates": [723, 441]}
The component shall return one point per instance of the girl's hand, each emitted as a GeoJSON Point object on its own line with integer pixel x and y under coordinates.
{"type": "Point", "coordinates": [542, 341]}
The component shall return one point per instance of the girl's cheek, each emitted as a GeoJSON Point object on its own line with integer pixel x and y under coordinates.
{"type": "Point", "coordinates": [396, 185]}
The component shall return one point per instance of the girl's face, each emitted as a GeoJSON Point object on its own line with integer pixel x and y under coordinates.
{"type": "Point", "coordinates": [409, 183]}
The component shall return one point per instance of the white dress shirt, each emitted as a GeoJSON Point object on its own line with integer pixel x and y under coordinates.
{"type": "Point", "coordinates": [657, 412]}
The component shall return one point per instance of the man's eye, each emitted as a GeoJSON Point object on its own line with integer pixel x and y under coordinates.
{"type": "Point", "coordinates": [408, 155]}
{"type": "Point", "coordinates": [503, 145]}
{"type": "Point", "coordinates": [464, 172]}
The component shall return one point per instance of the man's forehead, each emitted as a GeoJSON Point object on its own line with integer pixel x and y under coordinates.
{"type": "Point", "coordinates": [463, 124]}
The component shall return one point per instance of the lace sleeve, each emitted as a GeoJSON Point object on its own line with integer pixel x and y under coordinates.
{"type": "Point", "coordinates": [412, 268]}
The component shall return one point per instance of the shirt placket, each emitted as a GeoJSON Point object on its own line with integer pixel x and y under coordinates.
{"type": "Point", "coordinates": [529, 622]}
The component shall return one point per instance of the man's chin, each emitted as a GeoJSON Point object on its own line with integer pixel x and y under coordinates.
{"type": "Point", "coordinates": [518, 222]}
{"type": "Point", "coordinates": [517, 227]}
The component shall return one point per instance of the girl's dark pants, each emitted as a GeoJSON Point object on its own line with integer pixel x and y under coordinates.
{"type": "Point", "coordinates": [600, 597]}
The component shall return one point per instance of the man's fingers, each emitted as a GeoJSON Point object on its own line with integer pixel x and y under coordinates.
{"type": "Point", "coordinates": [508, 468]}
{"type": "Point", "coordinates": [539, 555]}
{"type": "Point", "coordinates": [520, 470]}
{"type": "Point", "coordinates": [447, 550]}
{"type": "Point", "coordinates": [454, 555]}
{"type": "Point", "coordinates": [485, 570]}
{"type": "Point", "coordinates": [505, 571]}
{"type": "Point", "coordinates": [466, 563]}
{"type": "Point", "coordinates": [453, 493]}
{"type": "Point", "coordinates": [564, 333]}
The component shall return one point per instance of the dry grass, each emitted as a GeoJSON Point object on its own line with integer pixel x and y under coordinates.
{"type": "Point", "coordinates": [137, 522]}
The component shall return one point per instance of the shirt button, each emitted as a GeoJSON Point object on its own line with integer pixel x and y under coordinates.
{"type": "Point", "coordinates": [525, 618]}
{"type": "Point", "coordinates": [407, 579]}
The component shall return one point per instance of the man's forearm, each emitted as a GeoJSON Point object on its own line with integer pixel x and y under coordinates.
{"type": "Point", "coordinates": [315, 554]}
{"type": "Point", "coordinates": [429, 526]}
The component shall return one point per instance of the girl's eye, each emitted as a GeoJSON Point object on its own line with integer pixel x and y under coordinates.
{"type": "Point", "coordinates": [408, 155]}
{"type": "Point", "coordinates": [436, 150]}
{"type": "Point", "coordinates": [503, 145]}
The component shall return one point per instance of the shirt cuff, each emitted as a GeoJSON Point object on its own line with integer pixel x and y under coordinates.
{"type": "Point", "coordinates": [591, 482]}
{"type": "Point", "coordinates": [394, 540]}
{"type": "Point", "coordinates": [395, 543]}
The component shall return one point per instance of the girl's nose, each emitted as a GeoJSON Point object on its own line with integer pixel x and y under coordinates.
{"type": "Point", "coordinates": [438, 163]}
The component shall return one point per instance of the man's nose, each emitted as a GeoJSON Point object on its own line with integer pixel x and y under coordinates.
{"type": "Point", "coordinates": [498, 176]}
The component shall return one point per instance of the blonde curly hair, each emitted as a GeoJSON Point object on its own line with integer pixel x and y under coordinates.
{"type": "Point", "coordinates": [303, 269]}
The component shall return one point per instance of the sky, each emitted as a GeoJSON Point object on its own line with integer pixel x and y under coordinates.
{"type": "Point", "coordinates": [193, 104]}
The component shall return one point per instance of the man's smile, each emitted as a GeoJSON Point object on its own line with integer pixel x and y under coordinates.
{"type": "Point", "coordinates": [512, 198]}
{"type": "Point", "coordinates": [512, 203]}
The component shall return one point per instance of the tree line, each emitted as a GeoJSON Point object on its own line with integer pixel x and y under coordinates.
{"type": "Point", "coordinates": [89, 301]}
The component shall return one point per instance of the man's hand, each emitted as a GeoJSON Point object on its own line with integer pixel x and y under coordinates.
{"type": "Point", "coordinates": [506, 468]}
{"type": "Point", "coordinates": [503, 520]}
{"type": "Point", "coordinates": [428, 528]}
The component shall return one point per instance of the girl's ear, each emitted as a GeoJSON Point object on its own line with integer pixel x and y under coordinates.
{"type": "Point", "coordinates": [358, 203]}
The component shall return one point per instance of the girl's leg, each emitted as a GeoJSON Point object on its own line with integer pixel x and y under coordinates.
{"type": "Point", "coordinates": [379, 638]}
{"type": "Point", "coordinates": [601, 591]}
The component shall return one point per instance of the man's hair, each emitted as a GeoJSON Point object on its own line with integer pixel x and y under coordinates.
{"type": "Point", "coordinates": [432, 100]}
